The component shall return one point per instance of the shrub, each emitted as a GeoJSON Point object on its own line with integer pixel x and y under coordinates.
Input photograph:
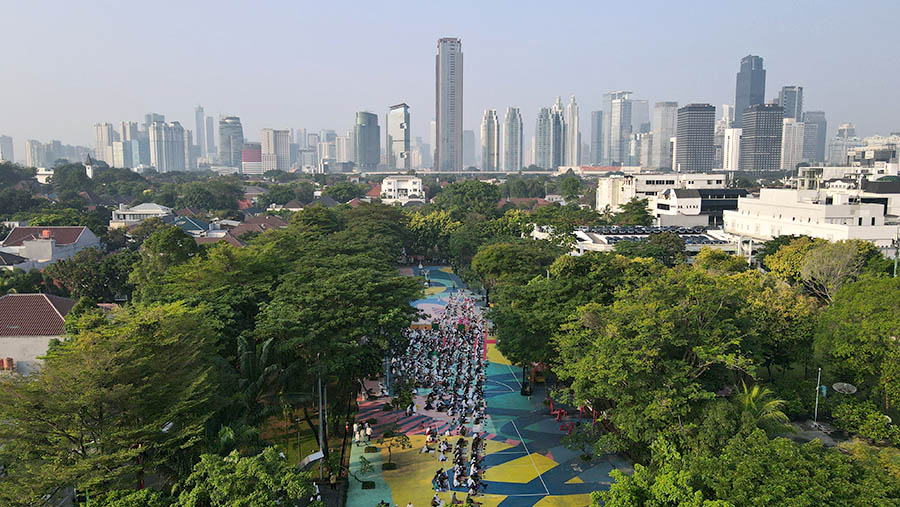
{"type": "Point", "coordinates": [371, 449]}
{"type": "Point", "coordinates": [368, 485]}
{"type": "Point", "coordinates": [389, 466]}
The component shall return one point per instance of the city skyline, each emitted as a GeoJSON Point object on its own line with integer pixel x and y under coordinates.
{"type": "Point", "coordinates": [499, 74]}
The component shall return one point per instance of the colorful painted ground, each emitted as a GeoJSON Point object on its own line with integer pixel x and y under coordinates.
{"type": "Point", "coordinates": [526, 464]}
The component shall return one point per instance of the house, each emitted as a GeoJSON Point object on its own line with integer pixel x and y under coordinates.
{"type": "Point", "coordinates": [10, 261]}
{"type": "Point", "coordinates": [27, 324]}
{"type": "Point", "coordinates": [190, 225]}
{"type": "Point", "coordinates": [44, 245]}
{"type": "Point", "coordinates": [227, 238]}
{"type": "Point", "coordinates": [402, 188]}
{"type": "Point", "coordinates": [190, 212]}
{"type": "Point", "coordinates": [267, 221]}
{"type": "Point", "coordinates": [125, 216]}
{"type": "Point", "coordinates": [293, 205]}
{"type": "Point", "coordinates": [374, 193]}
{"type": "Point", "coordinates": [252, 192]}
{"type": "Point", "coordinates": [326, 201]}
{"type": "Point", "coordinates": [689, 207]}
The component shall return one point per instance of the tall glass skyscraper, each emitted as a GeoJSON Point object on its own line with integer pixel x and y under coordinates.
{"type": "Point", "coordinates": [512, 140]}
{"type": "Point", "coordinates": [573, 134]}
{"type": "Point", "coordinates": [449, 105]}
{"type": "Point", "coordinates": [618, 128]}
{"type": "Point", "coordinates": [596, 137]}
{"type": "Point", "coordinates": [542, 140]}
{"type": "Point", "coordinates": [665, 116]}
{"type": "Point", "coordinates": [751, 86]}
{"type": "Point", "coordinates": [761, 138]}
{"type": "Point", "coordinates": [231, 141]}
{"type": "Point", "coordinates": [695, 149]}
{"type": "Point", "coordinates": [557, 135]}
{"type": "Point", "coordinates": [818, 118]}
{"type": "Point", "coordinates": [791, 99]}
{"type": "Point", "coordinates": [368, 141]}
{"type": "Point", "coordinates": [490, 141]}
{"type": "Point", "coordinates": [210, 136]}
{"type": "Point", "coordinates": [398, 144]}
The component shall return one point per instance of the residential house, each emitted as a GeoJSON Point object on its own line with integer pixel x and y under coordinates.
{"type": "Point", "coordinates": [27, 324]}
{"type": "Point", "coordinates": [44, 245]}
{"type": "Point", "coordinates": [126, 217]}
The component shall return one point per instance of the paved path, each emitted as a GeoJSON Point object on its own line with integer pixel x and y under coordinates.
{"type": "Point", "coordinates": [526, 464]}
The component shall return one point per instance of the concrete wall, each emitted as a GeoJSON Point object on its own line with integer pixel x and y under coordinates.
{"type": "Point", "coordinates": [25, 350]}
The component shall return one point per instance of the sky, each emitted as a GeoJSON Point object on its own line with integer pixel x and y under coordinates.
{"type": "Point", "coordinates": [313, 64]}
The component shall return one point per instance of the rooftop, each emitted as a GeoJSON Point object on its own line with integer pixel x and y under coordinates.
{"type": "Point", "coordinates": [62, 235]}
{"type": "Point", "coordinates": [33, 314]}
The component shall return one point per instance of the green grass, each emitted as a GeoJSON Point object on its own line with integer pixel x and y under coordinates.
{"type": "Point", "coordinates": [308, 444]}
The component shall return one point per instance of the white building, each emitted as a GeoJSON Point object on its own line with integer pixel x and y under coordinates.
{"type": "Point", "coordinates": [402, 189]}
{"type": "Point", "coordinates": [103, 137]}
{"type": "Point", "coordinates": [125, 216]}
{"type": "Point", "coordinates": [573, 134]}
{"type": "Point", "coordinates": [616, 190]}
{"type": "Point", "coordinates": [45, 245]}
{"type": "Point", "coordinates": [512, 140]}
{"type": "Point", "coordinates": [792, 135]}
{"type": "Point", "coordinates": [731, 150]}
{"type": "Point", "coordinates": [490, 141]}
{"type": "Point", "coordinates": [167, 147]}
{"type": "Point", "coordinates": [275, 148]}
{"type": "Point", "coordinates": [665, 115]}
{"type": "Point", "coordinates": [449, 106]}
{"type": "Point", "coordinates": [786, 212]}
{"type": "Point", "coordinates": [6, 149]}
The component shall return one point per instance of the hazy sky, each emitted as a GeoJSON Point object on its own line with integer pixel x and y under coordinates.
{"type": "Point", "coordinates": [69, 64]}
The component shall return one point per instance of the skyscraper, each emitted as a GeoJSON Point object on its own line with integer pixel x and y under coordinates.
{"type": "Point", "coordinates": [608, 99]}
{"type": "Point", "coordinates": [128, 131]}
{"type": "Point", "coordinates": [200, 122]}
{"type": "Point", "coordinates": [190, 154]}
{"type": "Point", "coordinates": [695, 133]}
{"type": "Point", "coordinates": [469, 148]}
{"type": "Point", "coordinates": [275, 150]}
{"type": "Point", "coordinates": [542, 140]}
{"type": "Point", "coordinates": [619, 129]}
{"type": "Point", "coordinates": [596, 137]}
{"type": "Point", "coordinates": [557, 134]}
{"type": "Point", "coordinates": [573, 134]}
{"type": "Point", "coordinates": [791, 144]}
{"type": "Point", "coordinates": [665, 116]}
{"type": "Point", "coordinates": [490, 141]}
{"type": "Point", "coordinates": [6, 149]}
{"type": "Point", "coordinates": [231, 141]}
{"type": "Point", "coordinates": [640, 116]}
{"type": "Point", "coordinates": [167, 146]}
{"type": "Point", "coordinates": [751, 86]}
{"type": "Point", "coordinates": [449, 105]}
{"type": "Point", "coordinates": [810, 138]}
{"type": "Point", "coordinates": [210, 137]}
{"type": "Point", "coordinates": [398, 142]}
{"type": "Point", "coordinates": [368, 141]}
{"type": "Point", "coordinates": [512, 140]}
{"type": "Point", "coordinates": [731, 150]}
{"type": "Point", "coordinates": [817, 118]}
{"type": "Point", "coordinates": [761, 138]}
{"type": "Point", "coordinates": [791, 99]}
{"type": "Point", "coordinates": [103, 138]}
{"type": "Point", "coordinates": [150, 118]}
{"type": "Point", "coordinates": [35, 154]}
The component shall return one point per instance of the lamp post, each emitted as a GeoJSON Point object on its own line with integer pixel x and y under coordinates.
{"type": "Point", "coordinates": [816, 411]}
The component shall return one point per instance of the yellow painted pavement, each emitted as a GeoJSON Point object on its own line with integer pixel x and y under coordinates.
{"type": "Point", "coordinates": [494, 355]}
{"type": "Point", "coordinates": [521, 470]}
{"type": "Point", "coordinates": [564, 501]}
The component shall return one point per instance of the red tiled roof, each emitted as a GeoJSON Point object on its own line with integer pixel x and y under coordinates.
{"type": "Point", "coordinates": [244, 203]}
{"type": "Point", "coordinates": [242, 229]}
{"type": "Point", "coordinates": [33, 314]}
{"type": "Point", "coordinates": [534, 202]}
{"type": "Point", "coordinates": [228, 238]}
{"type": "Point", "coordinates": [186, 212]}
{"type": "Point", "coordinates": [268, 221]}
{"type": "Point", "coordinates": [375, 192]}
{"type": "Point", "coordinates": [354, 203]}
{"type": "Point", "coordinates": [62, 235]}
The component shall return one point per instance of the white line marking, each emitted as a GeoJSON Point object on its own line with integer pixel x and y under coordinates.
{"type": "Point", "coordinates": [502, 384]}
{"type": "Point", "coordinates": [529, 455]}
{"type": "Point", "coordinates": [514, 376]}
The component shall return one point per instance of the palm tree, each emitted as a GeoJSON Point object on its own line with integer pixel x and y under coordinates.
{"type": "Point", "coordinates": [759, 409]}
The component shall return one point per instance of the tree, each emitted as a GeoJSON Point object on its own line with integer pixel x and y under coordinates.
{"type": "Point", "coordinates": [633, 212]}
{"type": "Point", "coordinates": [125, 397]}
{"type": "Point", "coordinates": [787, 261]}
{"type": "Point", "coordinates": [827, 267]}
{"type": "Point", "coordinates": [469, 196]}
{"type": "Point", "coordinates": [771, 247]}
{"type": "Point", "coordinates": [345, 191]}
{"type": "Point", "coordinates": [93, 275]}
{"type": "Point", "coordinates": [253, 481]}
{"type": "Point", "coordinates": [513, 262]}
{"type": "Point", "coordinates": [277, 194]}
{"type": "Point", "coordinates": [163, 249]}
{"type": "Point", "coordinates": [570, 187]}
{"type": "Point", "coordinates": [719, 261]}
{"type": "Point", "coordinates": [393, 438]}
{"type": "Point", "coordinates": [759, 409]}
{"type": "Point", "coordinates": [665, 247]}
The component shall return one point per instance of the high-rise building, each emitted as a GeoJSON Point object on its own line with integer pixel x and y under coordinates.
{"type": "Point", "coordinates": [35, 154]}
{"type": "Point", "coordinates": [618, 127]}
{"type": "Point", "coordinates": [398, 141]}
{"type": "Point", "coordinates": [368, 141]}
{"type": "Point", "coordinates": [490, 141]}
{"type": "Point", "coordinates": [596, 137]}
{"type": "Point", "coordinates": [6, 149]}
{"type": "Point", "coordinates": [103, 137]}
{"type": "Point", "coordinates": [128, 131]}
{"type": "Point", "coordinates": [210, 137]}
{"type": "Point", "coordinates": [641, 149]}
{"type": "Point", "coordinates": [345, 148]}
{"type": "Point", "coordinates": [665, 119]}
{"type": "Point", "coordinates": [449, 105]}
{"type": "Point", "coordinates": [275, 150]}
{"type": "Point", "coordinates": [151, 118]}
{"type": "Point", "coordinates": [810, 138]}
{"type": "Point", "coordinates": [791, 144]}
{"type": "Point", "coordinates": [573, 134]}
{"type": "Point", "coordinates": [190, 153]}
{"type": "Point", "coordinates": [542, 140]}
{"type": "Point", "coordinates": [751, 86]}
{"type": "Point", "coordinates": [761, 138]}
{"type": "Point", "coordinates": [469, 148]}
{"type": "Point", "coordinates": [791, 99]}
{"type": "Point", "coordinates": [512, 140]}
{"type": "Point", "coordinates": [640, 116]}
{"type": "Point", "coordinates": [231, 141]}
{"type": "Point", "coordinates": [695, 133]}
{"type": "Point", "coordinates": [125, 154]}
{"type": "Point", "coordinates": [557, 134]}
{"type": "Point", "coordinates": [200, 124]}
{"type": "Point", "coordinates": [731, 150]}
{"type": "Point", "coordinates": [251, 158]}
{"type": "Point", "coordinates": [167, 147]}
{"type": "Point", "coordinates": [817, 118]}
{"type": "Point", "coordinates": [844, 140]}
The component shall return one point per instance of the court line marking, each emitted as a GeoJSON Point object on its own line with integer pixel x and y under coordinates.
{"type": "Point", "coordinates": [529, 455]}
{"type": "Point", "coordinates": [501, 383]}
{"type": "Point", "coordinates": [514, 375]}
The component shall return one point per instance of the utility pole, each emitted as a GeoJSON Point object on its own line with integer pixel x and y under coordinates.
{"type": "Point", "coordinates": [818, 382]}
{"type": "Point", "coordinates": [321, 428]}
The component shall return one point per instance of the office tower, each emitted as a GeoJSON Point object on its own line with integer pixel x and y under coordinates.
{"type": "Point", "coordinates": [751, 86]}
{"type": "Point", "coordinates": [275, 148]}
{"type": "Point", "coordinates": [35, 154]}
{"type": "Point", "coordinates": [368, 144]}
{"type": "Point", "coordinates": [810, 138]}
{"type": "Point", "coordinates": [791, 99]}
{"type": "Point", "coordinates": [665, 117]}
{"type": "Point", "coordinates": [817, 118]}
{"type": "Point", "coordinates": [231, 141]}
{"type": "Point", "coordinates": [542, 140]}
{"type": "Point", "coordinates": [761, 138]}
{"type": "Point", "coordinates": [512, 140]}
{"type": "Point", "coordinates": [844, 139]}
{"type": "Point", "coordinates": [616, 126]}
{"type": "Point", "coordinates": [641, 149]}
{"type": "Point", "coordinates": [469, 148]}
{"type": "Point", "coordinates": [640, 116]}
{"type": "Point", "coordinates": [103, 137]}
{"type": "Point", "coordinates": [251, 158]}
{"type": "Point", "coordinates": [327, 152]}
{"type": "Point", "coordinates": [791, 144]}
{"type": "Point", "coordinates": [449, 105]}
{"type": "Point", "coordinates": [490, 141]}
{"type": "Point", "coordinates": [6, 149]}
{"type": "Point", "coordinates": [727, 115]}
{"type": "Point", "coordinates": [167, 146]}
{"type": "Point", "coordinates": [200, 124]}
{"type": "Point", "coordinates": [128, 131]}
{"type": "Point", "coordinates": [210, 137]}
{"type": "Point", "coordinates": [398, 142]}
{"type": "Point", "coordinates": [596, 137]}
{"type": "Point", "coordinates": [557, 135]}
{"type": "Point", "coordinates": [731, 150]}
{"type": "Point", "coordinates": [573, 135]}
{"type": "Point", "coordinates": [432, 132]}
{"type": "Point", "coordinates": [695, 132]}
{"type": "Point", "coordinates": [190, 153]}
